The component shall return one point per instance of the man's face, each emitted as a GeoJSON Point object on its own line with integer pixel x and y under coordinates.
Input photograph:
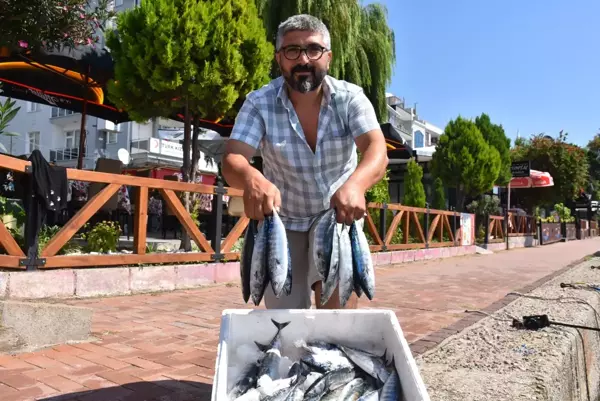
{"type": "Point", "coordinates": [303, 70]}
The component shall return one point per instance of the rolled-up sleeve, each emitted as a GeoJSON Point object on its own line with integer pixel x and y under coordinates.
{"type": "Point", "coordinates": [249, 126]}
{"type": "Point", "coordinates": [361, 115]}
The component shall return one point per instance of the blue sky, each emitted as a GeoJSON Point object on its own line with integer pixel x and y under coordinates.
{"type": "Point", "coordinates": [532, 65]}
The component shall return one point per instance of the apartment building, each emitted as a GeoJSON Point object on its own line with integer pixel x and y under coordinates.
{"type": "Point", "coordinates": [419, 135]}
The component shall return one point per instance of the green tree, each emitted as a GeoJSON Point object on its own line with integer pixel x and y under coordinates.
{"type": "Point", "coordinates": [199, 57]}
{"type": "Point", "coordinates": [414, 192]}
{"type": "Point", "coordinates": [439, 194]}
{"type": "Point", "coordinates": [362, 43]}
{"type": "Point", "coordinates": [495, 136]}
{"type": "Point", "coordinates": [593, 158]}
{"type": "Point", "coordinates": [465, 161]}
{"type": "Point", "coordinates": [33, 24]}
{"type": "Point", "coordinates": [567, 164]}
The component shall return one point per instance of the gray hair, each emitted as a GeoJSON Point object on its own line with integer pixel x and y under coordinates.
{"type": "Point", "coordinates": [302, 22]}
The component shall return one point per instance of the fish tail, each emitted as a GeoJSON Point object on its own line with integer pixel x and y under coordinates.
{"type": "Point", "coordinates": [262, 347]}
{"type": "Point", "coordinates": [280, 326]}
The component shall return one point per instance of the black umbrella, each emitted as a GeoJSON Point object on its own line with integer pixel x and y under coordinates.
{"type": "Point", "coordinates": [73, 79]}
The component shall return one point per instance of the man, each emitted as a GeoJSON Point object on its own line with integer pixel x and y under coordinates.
{"type": "Point", "coordinates": [307, 126]}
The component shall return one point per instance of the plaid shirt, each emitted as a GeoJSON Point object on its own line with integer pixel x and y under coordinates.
{"type": "Point", "coordinates": [267, 121]}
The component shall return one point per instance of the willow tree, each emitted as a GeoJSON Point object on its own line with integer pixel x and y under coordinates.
{"type": "Point", "coordinates": [362, 43]}
{"type": "Point", "coordinates": [196, 57]}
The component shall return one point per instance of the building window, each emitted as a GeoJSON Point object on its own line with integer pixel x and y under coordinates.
{"type": "Point", "coordinates": [58, 112]}
{"type": "Point", "coordinates": [111, 137]}
{"type": "Point", "coordinates": [72, 139]}
{"type": "Point", "coordinates": [419, 139]}
{"type": "Point", "coordinates": [118, 3]}
{"type": "Point", "coordinates": [434, 140]}
{"type": "Point", "coordinates": [33, 107]}
{"type": "Point", "coordinates": [33, 139]}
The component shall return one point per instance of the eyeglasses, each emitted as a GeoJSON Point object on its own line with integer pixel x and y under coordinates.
{"type": "Point", "coordinates": [313, 52]}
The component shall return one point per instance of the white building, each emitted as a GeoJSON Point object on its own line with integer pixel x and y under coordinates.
{"type": "Point", "coordinates": [417, 133]}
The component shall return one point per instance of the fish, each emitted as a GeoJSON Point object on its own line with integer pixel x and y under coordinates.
{"type": "Point", "coordinates": [362, 262]}
{"type": "Point", "coordinates": [270, 363]}
{"type": "Point", "coordinates": [277, 253]}
{"type": "Point", "coordinates": [321, 243]}
{"type": "Point", "coordinates": [391, 389]}
{"type": "Point", "coordinates": [333, 395]}
{"type": "Point", "coordinates": [246, 382]}
{"type": "Point", "coordinates": [370, 395]}
{"type": "Point", "coordinates": [287, 287]}
{"type": "Point", "coordinates": [259, 277]}
{"type": "Point", "coordinates": [353, 390]}
{"type": "Point", "coordinates": [330, 381]}
{"type": "Point", "coordinates": [371, 364]}
{"type": "Point", "coordinates": [329, 286]}
{"type": "Point", "coordinates": [346, 280]}
{"type": "Point", "coordinates": [246, 259]}
{"type": "Point", "coordinates": [324, 357]}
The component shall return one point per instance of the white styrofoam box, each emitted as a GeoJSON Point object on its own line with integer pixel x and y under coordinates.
{"type": "Point", "coordinates": [373, 330]}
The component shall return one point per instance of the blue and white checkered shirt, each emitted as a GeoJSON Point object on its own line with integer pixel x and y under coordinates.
{"type": "Point", "coordinates": [267, 121]}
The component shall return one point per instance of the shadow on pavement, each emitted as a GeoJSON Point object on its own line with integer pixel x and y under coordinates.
{"type": "Point", "coordinates": [160, 390]}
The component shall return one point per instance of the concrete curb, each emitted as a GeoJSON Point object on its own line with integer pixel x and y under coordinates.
{"type": "Point", "coordinates": [556, 363]}
{"type": "Point", "coordinates": [112, 281]}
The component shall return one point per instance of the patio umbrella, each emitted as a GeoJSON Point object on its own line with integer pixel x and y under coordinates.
{"type": "Point", "coordinates": [72, 79]}
{"type": "Point", "coordinates": [536, 179]}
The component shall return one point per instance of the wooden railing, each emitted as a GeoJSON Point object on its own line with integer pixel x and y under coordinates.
{"type": "Point", "coordinates": [399, 227]}
{"type": "Point", "coordinates": [519, 225]}
{"type": "Point", "coordinates": [496, 229]}
{"type": "Point", "coordinates": [411, 227]}
{"type": "Point", "coordinates": [48, 258]}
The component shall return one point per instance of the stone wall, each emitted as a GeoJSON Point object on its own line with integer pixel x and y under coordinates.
{"type": "Point", "coordinates": [110, 281]}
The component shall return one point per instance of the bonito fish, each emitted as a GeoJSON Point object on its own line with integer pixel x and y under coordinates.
{"type": "Point", "coordinates": [270, 363]}
{"type": "Point", "coordinates": [360, 376]}
{"type": "Point", "coordinates": [329, 286]}
{"type": "Point", "coordinates": [321, 243]}
{"type": "Point", "coordinates": [259, 275]}
{"type": "Point", "coordinates": [363, 272]}
{"type": "Point", "coordinates": [277, 253]}
{"type": "Point", "coordinates": [346, 281]}
{"type": "Point", "coordinates": [246, 259]}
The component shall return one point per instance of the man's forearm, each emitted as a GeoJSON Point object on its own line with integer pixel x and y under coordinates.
{"type": "Point", "coordinates": [237, 170]}
{"type": "Point", "coordinates": [371, 168]}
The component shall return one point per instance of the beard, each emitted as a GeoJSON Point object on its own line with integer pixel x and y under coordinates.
{"type": "Point", "coordinates": [305, 83]}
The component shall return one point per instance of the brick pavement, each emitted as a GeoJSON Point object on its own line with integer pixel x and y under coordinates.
{"type": "Point", "coordinates": [161, 347]}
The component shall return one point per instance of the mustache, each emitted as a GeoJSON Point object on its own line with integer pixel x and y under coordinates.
{"type": "Point", "coordinates": [303, 68]}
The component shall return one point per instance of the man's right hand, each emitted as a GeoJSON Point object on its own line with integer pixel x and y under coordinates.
{"type": "Point", "coordinates": [260, 196]}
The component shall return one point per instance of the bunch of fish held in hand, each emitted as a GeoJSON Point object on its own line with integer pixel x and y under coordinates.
{"type": "Point", "coordinates": [340, 254]}
{"type": "Point", "coordinates": [342, 258]}
{"type": "Point", "coordinates": [324, 372]}
{"type": "Point", "coordinates": [265, 259]}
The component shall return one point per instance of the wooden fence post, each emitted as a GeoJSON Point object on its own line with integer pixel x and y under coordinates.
{"type": "Point", "coordinates": [427, 226]}
{"type": "Point", "coordinates": [218, 219]}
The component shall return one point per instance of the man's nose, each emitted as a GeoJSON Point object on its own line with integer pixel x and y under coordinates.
{"type": "Point", "coordinates": [303, 59]}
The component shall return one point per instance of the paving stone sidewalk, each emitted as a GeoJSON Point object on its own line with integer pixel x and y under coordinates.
{"type": "Point", "coordinates": [161, 347]}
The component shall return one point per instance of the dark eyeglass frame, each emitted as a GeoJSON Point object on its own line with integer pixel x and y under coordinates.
{"type": "Point", "coordinates": [304, 50]}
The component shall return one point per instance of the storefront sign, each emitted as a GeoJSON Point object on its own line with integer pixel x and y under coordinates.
{"type": "Point", "coordinates": [520, 169]}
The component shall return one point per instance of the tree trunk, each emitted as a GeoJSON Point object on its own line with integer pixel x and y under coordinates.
{"type": "Point", "coordinates": [195, 149]}
{"type": "Point", "coordinates": [460, 199]}
{"type": "Point", "coordinates": [186, 245]}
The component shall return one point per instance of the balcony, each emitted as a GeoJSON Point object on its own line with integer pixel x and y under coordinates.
{"type": "Point", "coordinates": [63, 117]}
{"type": "Point", "coordinates": [66, 157]}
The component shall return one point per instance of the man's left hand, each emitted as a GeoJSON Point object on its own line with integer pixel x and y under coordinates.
{"type": "Point", "coordinates": [349, 203]}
